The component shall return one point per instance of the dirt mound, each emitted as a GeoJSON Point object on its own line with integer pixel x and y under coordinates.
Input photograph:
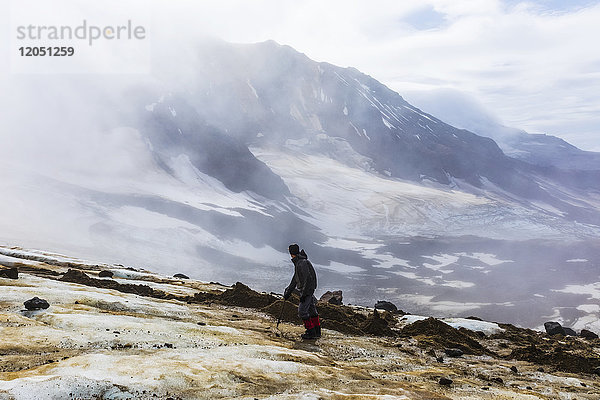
{"type": "Point", "coordinates": [77, 276]}
{"type": "Point", "coordinates": [339, 318]}
{"type": "Point", "coordinates": [563, 354]}
{"type": "Point", "coordinates": [290, 311]}
{"type": "Point", "coordinates": [377, 325]}
{"type": "Point", "coordinates": [242, 296]}
{"type": "Point", "coordinates": [558, 357]}
{"type": "Point", "coordinates": [434, 333]}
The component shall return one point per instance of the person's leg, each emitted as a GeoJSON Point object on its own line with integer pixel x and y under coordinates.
{"type": "Point", "coordinates": [314, 317]}
{"type": "Point", "coordinates": [305, 308]}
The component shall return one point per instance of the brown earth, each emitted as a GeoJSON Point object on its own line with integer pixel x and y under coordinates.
{"type": "Point", "coordinates": [77, 276]}
{"type": "Point", "coordinates": [242, 296]}
{"type": "Point", "coordinates": [558, 358]}
{"type": "Point", "coordinates": [562, 354]}
{"type": "Point", "coordinates": [339, 318]}
{"type": "Point", "coordinates": [568, 354]}
{"type": "Point", "coordinates": [377, 325]}
{"type": "Point", "coordinates": [10, 273]}
{"type": "Point", "coordinates": [433, 333]}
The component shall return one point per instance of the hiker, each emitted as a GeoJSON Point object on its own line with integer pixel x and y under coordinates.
{"type": "Point", "coordinates": [304, 282]}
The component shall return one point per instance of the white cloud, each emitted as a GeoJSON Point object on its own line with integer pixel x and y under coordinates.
{"type": "Point", "coordinates": [534, 64]}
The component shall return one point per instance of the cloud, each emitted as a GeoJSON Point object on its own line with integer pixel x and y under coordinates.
{"type": "Point", "coordinates": [533, 63]}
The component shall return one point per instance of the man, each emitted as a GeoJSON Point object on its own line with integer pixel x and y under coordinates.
{"type": "Point", "coordinates": [304, 282]}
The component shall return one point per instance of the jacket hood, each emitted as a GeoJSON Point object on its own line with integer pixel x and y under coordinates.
{"type": "Point", "coordinates": [300, 256]}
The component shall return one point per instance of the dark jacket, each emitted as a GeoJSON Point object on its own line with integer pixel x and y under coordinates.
{"type": "Point", "coordinates": [305, 278]}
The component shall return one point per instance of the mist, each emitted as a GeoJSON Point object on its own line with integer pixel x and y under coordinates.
{"type": "Point", "coordinates": [208, 158]}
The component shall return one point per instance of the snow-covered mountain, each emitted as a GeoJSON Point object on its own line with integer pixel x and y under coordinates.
{"type": "Point", "coordinates": [226, 155]}
{"type": "Point", "coordinates": [543, 150]}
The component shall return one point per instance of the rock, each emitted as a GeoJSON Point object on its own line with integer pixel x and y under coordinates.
{"type": "Point", "coordinates": [440, 359]}
{"type": "Point", "coordinates": [445, 381]}
{"type": "Point", "coordinates": [386, 305]}
{"type": "Point", "coordinates": [569, 332]}
{"type": "Point", "coordinates": [498, 380]}
{"type": "Point", "coordinates": [181, 276]}
{"type": "Point", "coordinates": [588, 334]}
{"type": "Point", "coordinates": [454, 352]}
{"type": "Point", "coordinates": [334, 297]}
{"type": "Point", "coordinates": [36, 304]}
{"type": "Point", "coordinates": [375, 325]}
{"type": "Point", "coordinates": [474, 318]}
{"type": "Point", "coordinates": [540, 369]}
{"type": "Point", "coordinates": [105, 274]}
{"type": "Point", "coordinates": [596, 371]}
{"type": "Point", "coordinates": [11, 273]}
{"type": "Point", "coordinates": [553, 328]}
{"type": "Point", "coordinates": [514, 369]}
{"type": "Point", "coordinates": [76, 276]}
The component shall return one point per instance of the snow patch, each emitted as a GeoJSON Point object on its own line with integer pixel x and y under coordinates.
{"type": "Point", "coordinates": [343, 268]}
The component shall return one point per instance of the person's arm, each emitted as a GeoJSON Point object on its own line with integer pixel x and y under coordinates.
{"type": "Point", "coordinates": [304, 274]}
{"type": "Point", "coordinates": [290, 288]}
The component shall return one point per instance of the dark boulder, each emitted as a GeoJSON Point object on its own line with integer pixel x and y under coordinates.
{"type": "Point", "coordinates": [36, 304]}
{"type": "Point", "coordinates": [11, 273]}
{"type": "Point", "coordinates": [334, 297]}
{"type": "Point", "coordinates": [105, 274]}
{"type": "Point", "coordinates": [445, 381]}
{"type": "Point", "coordinates": [386, 305]}
{"type": "Point", "coordinates": [588, 334]}
{"type": "Point", "coordinates": [569, 332]}
{"type": "Point", "coordinates": [454, 352]}
{"type": "Point", "coordinates": [77, 276]}
{"type": "Point", "coordinates": [181, 276]}
{"type": "Point", "coordinates": [514, 369]}
{"type": "Point", "coordinates": [554, 328]}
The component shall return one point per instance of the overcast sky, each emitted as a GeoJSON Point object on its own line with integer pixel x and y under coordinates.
{"type": "Point", "coordinates": [535, 65]}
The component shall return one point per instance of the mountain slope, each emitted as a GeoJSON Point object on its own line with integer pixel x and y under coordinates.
{"type": "Point", "coordinates": [266, 95]}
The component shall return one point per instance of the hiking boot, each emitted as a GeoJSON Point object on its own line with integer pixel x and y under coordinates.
{"type": "Point", "coordinates": [317, 324]}
{"type": "Point", "coordinates": [310, 334]}
{"type": "Point", "coordinates": [318, 331]}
